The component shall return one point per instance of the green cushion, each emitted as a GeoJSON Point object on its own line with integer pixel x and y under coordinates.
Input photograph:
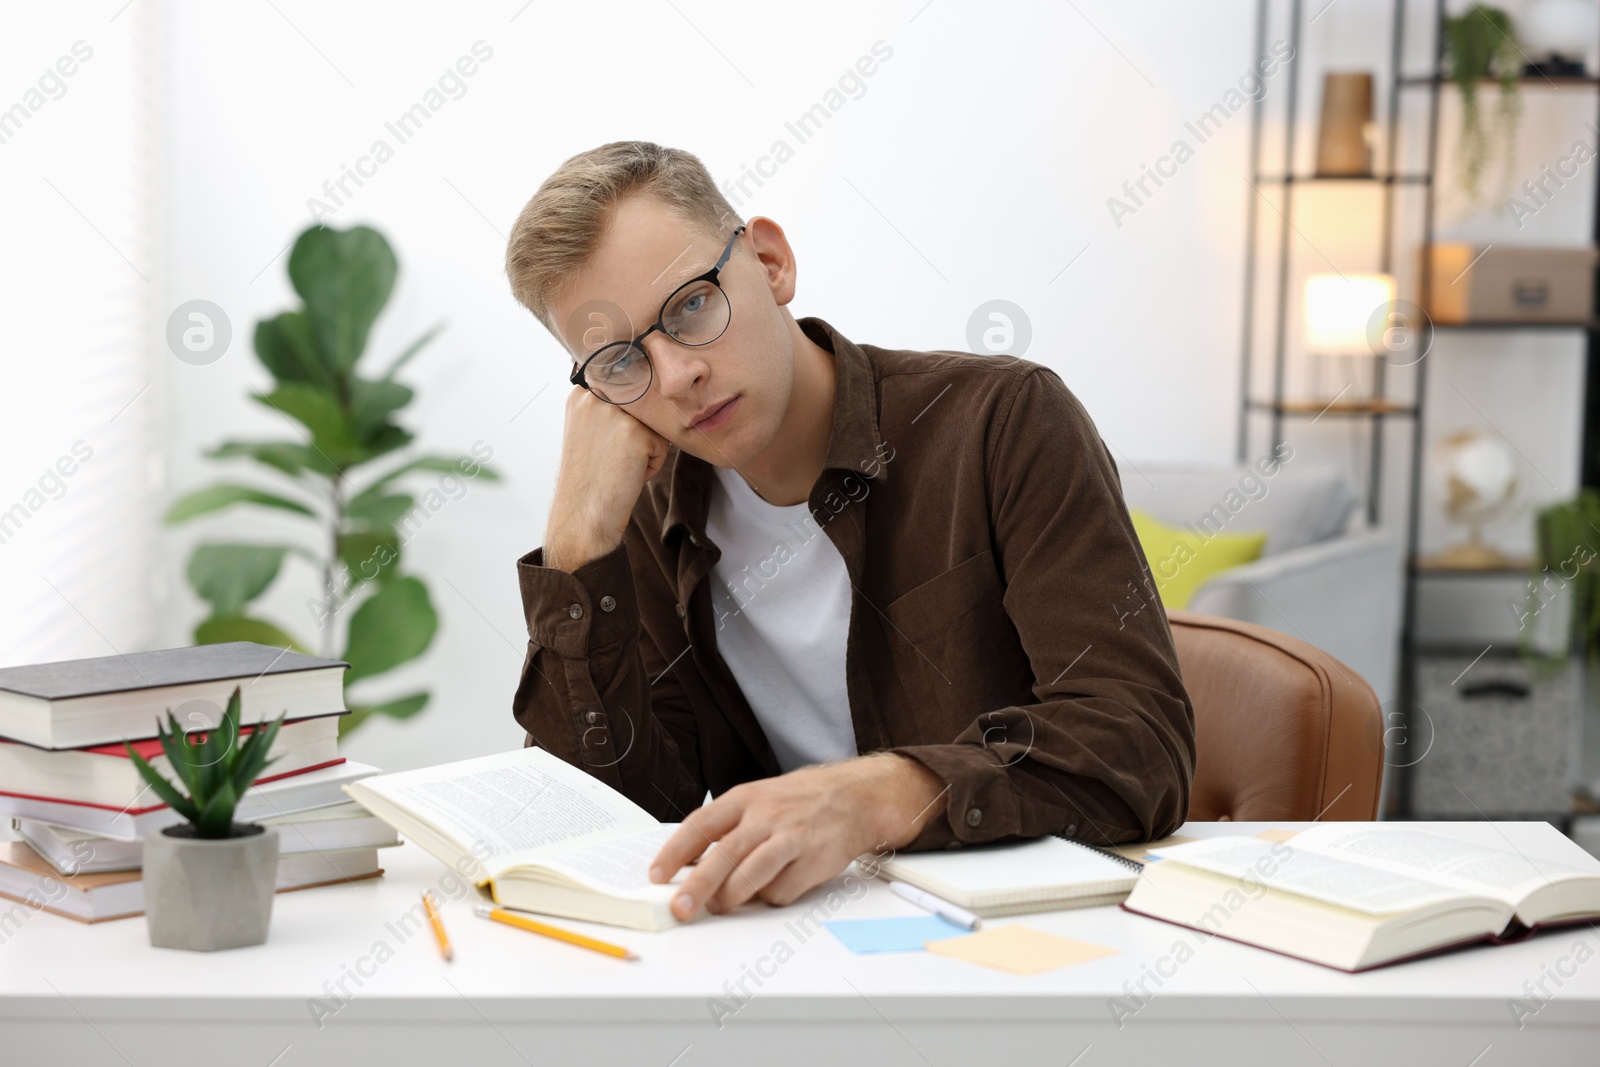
{"type": "Point", "coordinates": [1182, 560]}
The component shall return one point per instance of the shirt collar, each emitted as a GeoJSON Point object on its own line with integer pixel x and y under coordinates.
{"type": "Point", "coordinates": [854, 443]}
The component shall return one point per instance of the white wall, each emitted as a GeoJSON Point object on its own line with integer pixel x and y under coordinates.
{"type": "Point", "coordinates": [81, 391]}
{"type": "Point", "coordinates": [976, 164]}
{"type": "Point", "coordinates": [989, 140]}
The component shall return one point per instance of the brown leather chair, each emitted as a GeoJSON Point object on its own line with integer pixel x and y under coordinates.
{"type": "Point", "coordinates": [1283, 731]}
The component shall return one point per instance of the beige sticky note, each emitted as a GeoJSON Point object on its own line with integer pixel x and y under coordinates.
{"type": "Point", "coordinates": [1137, 851]}
{"type": "Point", "coordinates": [1019, 949]}
{"type": "Point", "coordinates": [1276, 835]}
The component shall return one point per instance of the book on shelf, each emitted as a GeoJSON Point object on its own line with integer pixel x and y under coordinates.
{"type": "Point", "coordinates": [104, 775]}
{"type": "Point", "coordinates": [297, 792]}
{"type": "Point", "coordinates": [537, 833]}
{"type": "Point", "coordinates": [1013, 877]}
{"type": "Point", "coordinates": [1359, 895]}
{"type": "Point", "coordinates": [82, 702]}
{"type": "Point", "coordinates": [27, 878]}
{"type": "Point", "coordinates": [338, 826]}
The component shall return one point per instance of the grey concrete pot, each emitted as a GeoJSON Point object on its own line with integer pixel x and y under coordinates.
{"type": "Point", "coordinates": [209, 893]}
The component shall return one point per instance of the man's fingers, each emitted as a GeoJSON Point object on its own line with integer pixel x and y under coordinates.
{"type": "Point", "coordinates": [719, 865]}
{"type": "Point", "coordinates": [693, 836]}
{"type": "Point", "coordinates": [791, 883]}
{"type": "Point", "coordinates": [764, 863]}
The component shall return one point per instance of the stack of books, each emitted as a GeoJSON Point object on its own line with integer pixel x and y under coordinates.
{"type": "Point", "coordinates": [82, 809]}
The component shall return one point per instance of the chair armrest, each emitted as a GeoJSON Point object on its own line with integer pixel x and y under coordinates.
{"type": "Point", "coordinates": [1342, 595]}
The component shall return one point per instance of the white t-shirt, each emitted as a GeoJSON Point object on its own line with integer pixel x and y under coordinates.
{"type": "Point", "coordinates": [780, 595]}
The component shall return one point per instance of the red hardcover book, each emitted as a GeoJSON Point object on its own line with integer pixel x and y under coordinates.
{"type": "Point", "coordinates": [311, 787]}
{"type": "Point", "coordinates": [104, 776]}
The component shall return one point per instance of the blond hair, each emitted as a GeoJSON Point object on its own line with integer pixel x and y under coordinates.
{"type": "Point", "coordinates": [558, 227]}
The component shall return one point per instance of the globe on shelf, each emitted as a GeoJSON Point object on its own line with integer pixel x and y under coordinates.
{"type": "Point", "coordinates": [1474, 475]}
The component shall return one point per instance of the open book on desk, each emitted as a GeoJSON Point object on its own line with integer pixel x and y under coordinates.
{"type": "Point", "coordinates": [1355, 896]}
{"type": "Point", "coordinates": [540, 834]}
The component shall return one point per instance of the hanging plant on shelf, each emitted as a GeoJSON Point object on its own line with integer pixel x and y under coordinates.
{"type": "Point", "coordinates": [1478, 45]}
{"type": "Point", "coordinates": [346, 421]}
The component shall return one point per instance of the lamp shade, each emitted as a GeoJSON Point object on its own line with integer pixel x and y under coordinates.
{"type": "Point", "coordinates": [1339, 308]}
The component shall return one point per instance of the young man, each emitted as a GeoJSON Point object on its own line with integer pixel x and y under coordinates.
{"type": "Point", "coordinates": [869, 599]}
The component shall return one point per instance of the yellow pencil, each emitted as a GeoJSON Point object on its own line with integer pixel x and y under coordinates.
{"type": "Point", "coordinates": [500, 915]}
{"type": "Point", "coordinates": [438, 927]}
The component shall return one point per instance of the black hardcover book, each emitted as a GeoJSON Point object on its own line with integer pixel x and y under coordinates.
{"type": "Point", "coordinates": [72, 703]}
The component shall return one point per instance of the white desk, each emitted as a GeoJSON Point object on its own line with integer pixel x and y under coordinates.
{"type": "Point", "coordinates": [77, 994]}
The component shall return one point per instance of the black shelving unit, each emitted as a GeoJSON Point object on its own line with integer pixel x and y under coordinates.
{"type": "Point", "coordinates": [1380, 408]}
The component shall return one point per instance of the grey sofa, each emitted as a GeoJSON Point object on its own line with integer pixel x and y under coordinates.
{"type": "Point", "coordinates": [1325, 576]}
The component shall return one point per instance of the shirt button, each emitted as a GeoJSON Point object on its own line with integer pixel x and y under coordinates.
{"type": "Point", "coordinates": [576, 611]}
{"type": "Point", "coordinates": [681, 611]}
{"type": "Point", "coordinates": [607, 603]}
{"type": "Point", "coordinates": [591, 717]}
{"type": "Point", "coordinates": [974, 816]}
{"type": "Point", "coordinates": [1072, 829]}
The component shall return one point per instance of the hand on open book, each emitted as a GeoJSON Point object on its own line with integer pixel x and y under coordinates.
{"type": "Point", "coordinates": [775, 838]}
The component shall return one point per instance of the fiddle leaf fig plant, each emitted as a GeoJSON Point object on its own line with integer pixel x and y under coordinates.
{"type": "Point", "coordinates": [344, 421]}
{"type": "Point", "coordinates": [216, 772]}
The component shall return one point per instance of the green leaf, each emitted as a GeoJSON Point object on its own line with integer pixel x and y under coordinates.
{"type": "Point", "coordinates": [369, 554]}
{"type": "Point", "coordinates": [377, 508]}
{"type": "Point", "coordinates": [180, 756]}
{"type": "Point", "coordinates": [223, 628]}
{"type": "Point", "coordinates": [442, 464]}
{"type": "Point", "coordinates": [211, 757]}
{"type": "Point", "coordinates": [372, 402]}
{"type": "Point", "coordinates": [392, 626]}
{"type": "Point", "coordinates": [216, 815]}
{"type": "Point", "coordinates": [286, 348]}
{"type": "Point", "coordinates": [221, 751]}
{"type": "Point", "coordinates": [320, 412]}
{"type": "Point", "coordinates": [292, 459]}
{"type": "Point", "coordinates": [412, 349]}
{"type": "Point", "coordinates": [216, 497]}
{"type": "Point", "coordinates": [229, 576]}
{"type": "Point", "coordinates": [252, 756]}
{"type": "Point", "coordinates": [163, 788]}
{"type": "Point", "coordinates": [399, 708]}
{"type": "Point", "coordinates": [382, 441]}
{"type": "Point", "coordinates": [345, 278]}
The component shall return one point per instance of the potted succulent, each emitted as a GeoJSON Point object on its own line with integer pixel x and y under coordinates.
{"type": "Point", "coordinates": [209, 882]}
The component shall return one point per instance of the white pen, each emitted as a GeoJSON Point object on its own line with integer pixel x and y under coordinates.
{"type": "Point", "coordinates": [942, 908]}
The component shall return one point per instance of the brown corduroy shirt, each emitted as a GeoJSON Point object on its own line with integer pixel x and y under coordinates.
{"type": "Point", "coordinates": [1004, 630]}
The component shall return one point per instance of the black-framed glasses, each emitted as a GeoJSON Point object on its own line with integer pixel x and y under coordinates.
{"type": "Point", "coordinates": [696, 313]}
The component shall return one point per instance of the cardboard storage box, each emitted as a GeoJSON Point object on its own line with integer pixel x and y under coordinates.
{"type": "Point", "coordinates": [1511, 284]}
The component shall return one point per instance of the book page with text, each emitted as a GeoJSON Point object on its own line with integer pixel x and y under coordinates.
{"type": "Point", "coordinates": [618, 866]}
{"type": "Point", "coordinates": [511, 805]}
{"type": "Point", "coordinates": [1326, 878]}
{"type": "Point", "coordinates": [1501, 873]}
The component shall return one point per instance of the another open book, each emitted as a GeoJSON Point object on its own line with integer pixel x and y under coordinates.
{"type": "Point", "coordinates": [1359, 896]}
{"type": "Point", "coordinates": [540, 834]}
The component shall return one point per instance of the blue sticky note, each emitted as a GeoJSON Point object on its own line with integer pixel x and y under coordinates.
{"type": "Point", "coordinates": [900, 934]}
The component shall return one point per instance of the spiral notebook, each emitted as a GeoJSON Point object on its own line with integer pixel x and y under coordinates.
{"type": "Point", "coordinates": [1014, 877]}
